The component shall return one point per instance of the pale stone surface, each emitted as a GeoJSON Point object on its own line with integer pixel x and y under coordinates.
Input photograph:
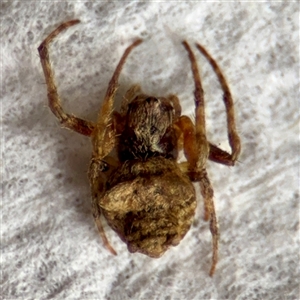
{"type": "Point", "coordinates": [51, 249]}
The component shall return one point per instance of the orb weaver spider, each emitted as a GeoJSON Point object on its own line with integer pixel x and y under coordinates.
{"type": "Point", "coordinates": [144, 194]}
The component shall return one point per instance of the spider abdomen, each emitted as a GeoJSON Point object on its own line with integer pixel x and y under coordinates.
{"type": "Point", "coordinates": [150, 212]}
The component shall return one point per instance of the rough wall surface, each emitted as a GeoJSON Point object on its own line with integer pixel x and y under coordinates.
{"type": "Point", "coordinates": [50, 247]}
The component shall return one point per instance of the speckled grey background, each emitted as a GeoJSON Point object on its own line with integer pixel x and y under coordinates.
{"type": "Point", "coordinates": [50, 247]}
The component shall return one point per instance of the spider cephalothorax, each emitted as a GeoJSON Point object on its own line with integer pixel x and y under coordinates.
{"type": "Point", "coordinates": [148, 129]}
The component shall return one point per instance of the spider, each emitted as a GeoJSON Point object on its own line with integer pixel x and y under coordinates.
{"type": "Point", "coordinates": [145, 195]}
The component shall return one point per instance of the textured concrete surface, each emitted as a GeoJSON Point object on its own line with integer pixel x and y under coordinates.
{"type": "Point", "coordinates": [50, 247]}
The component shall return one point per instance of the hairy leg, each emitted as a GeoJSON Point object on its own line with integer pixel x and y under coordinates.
{"type": "Point", "coordinates": [220, 156]}
{"type": "Point", "coordinates": [187, 131]}
{"type": "Point", "coordinates": [176, 104]}
{"type": "Point", "coordinates": [200, 129]}
{"type": "Point", "coordinates": [103, 139]}
{"type": "Point", "coordinates": [98, 173]}
{"type": "Point", "coordinates": [128, 97]}
{"type": "Point", "coordinates": [233, 137]}
{"type": "Point", "coordinates": [197, 149]}
{"type": "Point", "coordinates": [68, 121]}
{"type": "Point", "coordinates": [186, 136]}
{"type": "Point", "coordinates": [103, 136]}
{"type": "Point", "coordinates": [210, 215]}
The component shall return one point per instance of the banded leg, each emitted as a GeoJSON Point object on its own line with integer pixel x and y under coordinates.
{"type": "Point", "coordinates": [68, 121]}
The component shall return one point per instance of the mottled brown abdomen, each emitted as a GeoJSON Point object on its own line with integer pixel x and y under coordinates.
{"type": "Point", "coordinates": [151, 205]}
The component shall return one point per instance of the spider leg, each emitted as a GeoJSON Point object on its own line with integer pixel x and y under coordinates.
{"type": "Point", "coordinates": [120, 117]}
{"type": "Point", "coordinates": [216, 154]}
{"type": "Point", "coordinates": [69, 121]}
{"type": "Point", "coordinates": [220, 156]}
{"type": "Point", "coordinates": [104, 141]}
{"type": "Point", "coordinates": [128, 97]}
{"type": "Point", "coordinates": [197, 157]}
{"type": "Point", "coordinates": [210, 214]}
{"type": "Point", "coordinates": [98, 173]}
{"type": "Point", "coordinates": [103, 136]}
{"type": "Point", "coordinates": [176, 104]}
{"type": "Point", "coordinates": [186, 140]}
